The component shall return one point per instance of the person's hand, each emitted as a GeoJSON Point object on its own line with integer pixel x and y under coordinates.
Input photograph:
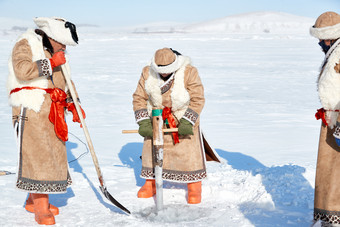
{"type": "Point", "coordinates": [145, 128]}
{"type": "Point", "coordinates": [58, 59]}
{"type": "Point", "coordinates": [185, 127]}
{"type": "Point", "coordinates": [336, 134]}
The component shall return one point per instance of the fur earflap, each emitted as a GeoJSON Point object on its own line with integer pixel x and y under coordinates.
{"type": "Point", "coordinates": [57, 29]}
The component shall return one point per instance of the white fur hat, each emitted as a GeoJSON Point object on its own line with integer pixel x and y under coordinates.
{"type": "Point", "coordinates": [58, 29]}
{"type": "Point", "coordinates": [327, 26]}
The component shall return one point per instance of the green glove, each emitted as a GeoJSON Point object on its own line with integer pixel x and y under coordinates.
{"type": "Point", "coordinates": [145, 128]}
{"type": "Point", "coordinates": [185, 127]}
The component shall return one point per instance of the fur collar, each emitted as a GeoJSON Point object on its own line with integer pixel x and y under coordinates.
{"type": "Point", "coordinates": [180, 97]}
{"type": "Point", "coordinates": [329, 87]}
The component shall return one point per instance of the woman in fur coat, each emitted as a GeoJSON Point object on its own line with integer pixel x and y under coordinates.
{"type": "Point", "coordinates": [327, 182]}
{"type": "Point", "coordinates": [37, 93]}
{"type": "Point", "coordinates": [171, 83]}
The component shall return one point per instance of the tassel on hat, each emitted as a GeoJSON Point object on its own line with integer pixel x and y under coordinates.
{"type": "Point", "coordinates": [58, 29]}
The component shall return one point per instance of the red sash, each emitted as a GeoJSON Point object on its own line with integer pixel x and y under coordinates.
{"type": "Point", "coordinates": [56, 116]}
{"type": "Point", "coordinates": [167, 115]}
{"type": "Point", "coordinates": [321, 114]}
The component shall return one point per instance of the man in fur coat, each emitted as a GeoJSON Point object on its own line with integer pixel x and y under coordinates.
{"type": "Point", "coordinates": [327, 182]}
{"type": "Point", "coordinates": [171, 83]}
{"type": "Point", "coordinates": [38, 95]}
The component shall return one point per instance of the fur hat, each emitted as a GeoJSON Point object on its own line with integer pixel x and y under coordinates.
{"type": "Point", "coordinates": [58, 29]}
{"type": "Point", "coordinates": [166, 61]}
{"type": "Point", "coordinates": [327, 26]}
{"type": "Point", "coordinates": [164, 57]}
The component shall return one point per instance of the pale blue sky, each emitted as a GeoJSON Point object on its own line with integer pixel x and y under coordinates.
{"type": "Point", "coordinates": [134, 12]}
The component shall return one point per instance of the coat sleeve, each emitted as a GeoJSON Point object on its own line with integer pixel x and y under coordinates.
{"type": "Point", "coordinates": [26, 69]}
{"type": "Point", "coordinates": [140, 98]}
{"type": "Point", "coordinates": [196, 91]}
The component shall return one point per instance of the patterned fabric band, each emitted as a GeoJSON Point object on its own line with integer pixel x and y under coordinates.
{"type": "Point", "coordinates": [175, 176]}
{"type": "Point", "coordinates": [43, 186]}
{"type": "Point", "coordinates": [331, 217]}
{"type": "Point", "coordinates": [191, 116]}
{"type": "Point", "coordinates": [141, 114]}
{"type": "Point", "coordinates": [44, 67]}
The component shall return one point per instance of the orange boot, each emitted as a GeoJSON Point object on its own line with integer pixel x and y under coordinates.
{"type": "Point", "coordinates": [148, 189]}
{"type": "Point", "coordinates": [194, 192]}
{"type": "Point", "coordinates": [43, 215]}
{"type": "Point", "coordinates": [30, 207]}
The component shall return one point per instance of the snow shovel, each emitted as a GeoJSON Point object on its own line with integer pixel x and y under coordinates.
{"type": "Point", "coordinates": [89, 141]}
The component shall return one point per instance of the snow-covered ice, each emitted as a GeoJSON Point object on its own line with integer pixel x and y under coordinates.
{"type": "Point", "coordinates": [261, 98]}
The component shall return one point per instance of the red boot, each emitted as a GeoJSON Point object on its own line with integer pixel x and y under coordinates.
{"type": "Point", "coordinates": [194, 192]}
{"type": "Point", "coordinates": [43, 215]}
{"type": "Point", "coordinates": [148, 189]}
{"type": "Point", "coordinates": [30, 207]}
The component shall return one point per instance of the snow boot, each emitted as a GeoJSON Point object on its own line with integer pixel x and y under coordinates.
{"type": "Point", "coordinates": [43, 215]}
{"type": "Point", "coordinates": [148, 189]}
{"type": "Point", "coordinates": [194, 192]}
{"type": "Point", "coordinates": [30, 207]}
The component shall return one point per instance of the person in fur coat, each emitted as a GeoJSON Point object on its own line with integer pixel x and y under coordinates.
{"type": "Point", "coordinates": [38, 95]}
{"type": "Point", "coordinates": [327, 181]}
{"type": "Point", "coordinates": [172, 84]}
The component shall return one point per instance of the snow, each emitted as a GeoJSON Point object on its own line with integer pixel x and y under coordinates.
{"type": "Point", "coordinates": [261, 98]}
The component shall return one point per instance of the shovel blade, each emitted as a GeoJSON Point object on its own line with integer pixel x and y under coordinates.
{"type": "Point", "coordinates": [115, 202]}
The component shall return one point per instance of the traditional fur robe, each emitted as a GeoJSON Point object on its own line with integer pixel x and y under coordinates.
{"type": "Point", "coordinates": [183, 92]}
{"type": "Point", "coordinates": [327, 183]}
{"type": "Point", "coordinates": [43, 166]}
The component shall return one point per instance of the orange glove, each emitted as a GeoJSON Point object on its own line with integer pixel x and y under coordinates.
{"type": "Point", "coordinates": [58, 59]}
{"type": "Point", "coordinates": [72, 108]}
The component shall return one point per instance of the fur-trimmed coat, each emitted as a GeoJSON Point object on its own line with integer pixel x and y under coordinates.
{"type": "Point", "coordinates": [43, 166]}
{"type": "Point", "coordinates": [327, 181]}
{"type": "Point", "coordinates": [184, 93]}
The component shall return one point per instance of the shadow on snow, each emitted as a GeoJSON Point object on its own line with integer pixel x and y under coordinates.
{"type": "Point", "coordinates": [290, 191]}
{"type": "Point", "coordinates": [61, 199]}
{"type": "Point", "coordinates": [130, 155]}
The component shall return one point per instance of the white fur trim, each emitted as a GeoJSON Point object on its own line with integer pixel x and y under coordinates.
{"type": "Point", "coordinates": [329, 87]}
{"type": "Point", "coordinates": [180, 97]}
{"type": "Point", "coordinates": [173, 67]}
{"type": "Point", "coordinates": [325, 33]}
{"type": "Point", "coordinates": [32, 99]}
{"type": "Point", "coordinates": [55, 29]}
